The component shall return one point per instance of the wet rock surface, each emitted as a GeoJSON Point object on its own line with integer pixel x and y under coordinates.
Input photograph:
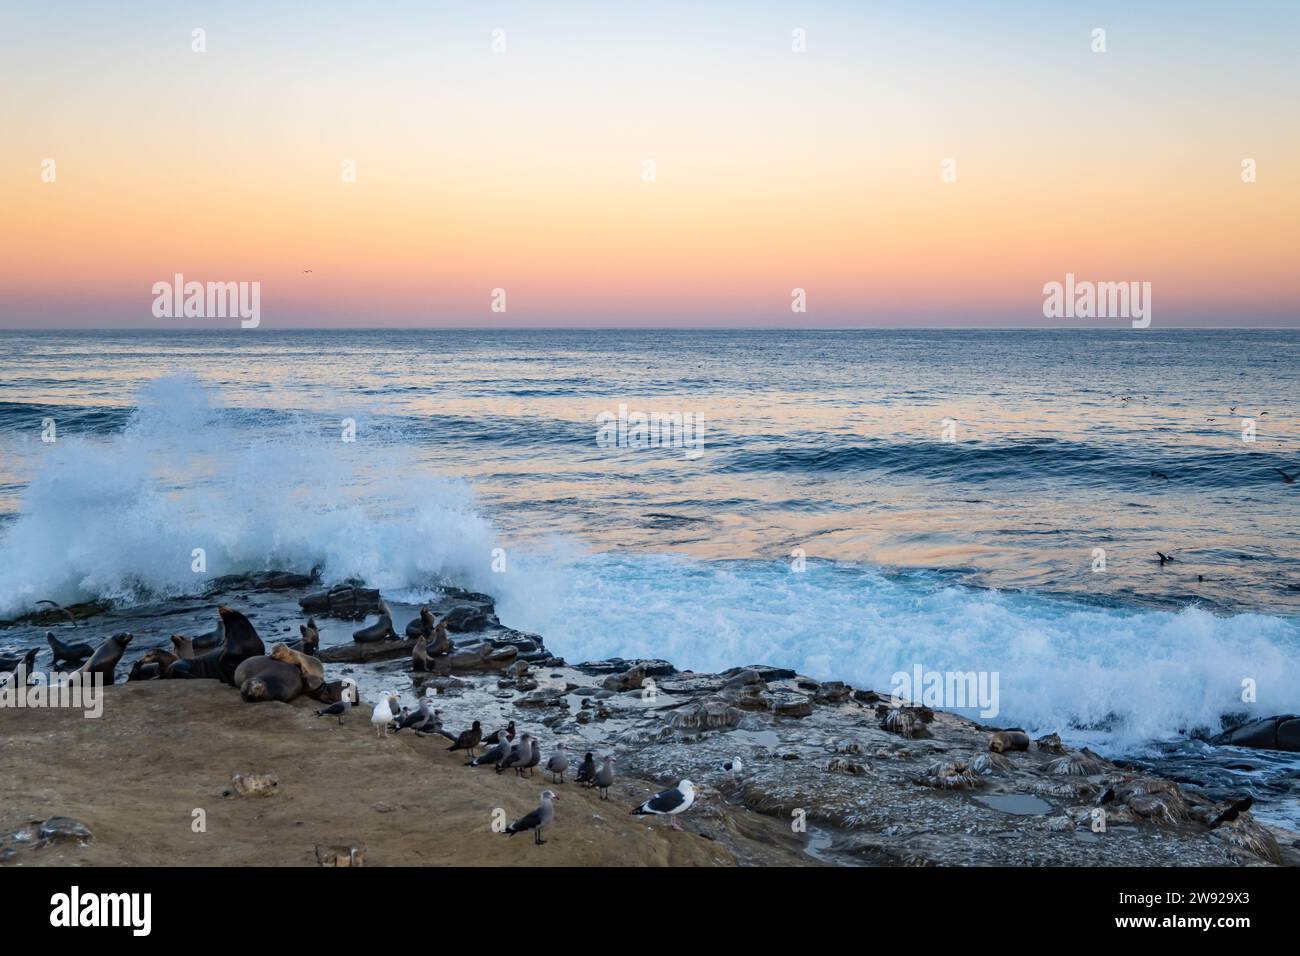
{"type": "Point", "coordinates": [825, 771]}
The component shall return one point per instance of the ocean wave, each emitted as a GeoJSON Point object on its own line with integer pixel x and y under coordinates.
{"type": "Point", "coordinates": [121, 518]}
{"type": "Point", "coordinates": [1127, 675]}
{"type": "Point", "coordinates": [1029, 459]}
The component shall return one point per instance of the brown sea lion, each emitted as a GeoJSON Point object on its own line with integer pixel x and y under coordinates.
{"type": "Point", "coordinates": [1005, 741]}
{"type": "Point", "coordinates": [440, 643]}
{"type": "Point", "coordinates": [266, 678]}
{"type": "Point", "coordinates": [422, 626]}
{"type": "Point", "coordinates": [313, 671]}
{"type": "Point", "coordinates": [104, 660]}
{"type": "Point", "coordinates": [184, 647]}
{"type": "Point", "coordinates": [310, 638]}
{"type": "Point", "coordinates": [420, 660]}
{"type": "Point", "coordinates": [240, 643]}
{"type": "Point", "coordinates": [74, 654]}
{"type": "Point", "coordinates": [381, 630]}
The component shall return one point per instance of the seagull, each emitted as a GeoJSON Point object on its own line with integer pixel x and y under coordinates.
{"type": "Point", "coordinates": [669, 803]}
{"type": "Point", "coordinates": [539, 818]}
{"type": "Point", "coordinates": [1232, 410]}
{"type": "Point", "coordinates": [306, 272]}
{"type": "Point", "coordinates": [381, 715]}
{"type": "Point", "coordinates": [732, 766]}
{"type": "Point", "coordinates": [469, 739]}
{"type": "Point", "coordinates": [62, 610]}
{"type": "Point", "coordinates": [494, 756]}
{"type": "Point", "coordinates": [532, 760]}
{"type": "Point", "coordinates": [417, 721]}
{"type": "Point", "coordinates": [1164, 558]}
{"type": "Point", "coordinates": [558, 763]}
{"type": "Point", "coordinates": [495, 736]}
{"type": "Point", "coordinates": [1289, 479]}
{"type": "Point", "coordinates": [604, 778]}
{"type": "Point", "coordinates": [337, 709]}
{"type": "Point", "coordinates": [520, 752]}
{"type": "Point", "coordinates": [588, 768]}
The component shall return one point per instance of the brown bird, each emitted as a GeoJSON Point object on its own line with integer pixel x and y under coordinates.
{"type": "Point", "coordinates": [469, 739]}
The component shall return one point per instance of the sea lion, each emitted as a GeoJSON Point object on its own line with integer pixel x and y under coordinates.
{"type": "Point", "coordinates": [74, 654]}
{"type": "Point", "coordinates": [144, 670]}
{"type": "Point", "coordinates": [184, 647]}
{"type": "Point", "coordinates": [25, 663]}
{"type": "Point", "coordinates": [241, 642]}
{"type": "Point", "coordinates": [312, 670]}
{"type": "Point", "coordinates": [422, 626]}
{"type": "Point", "coordinates": [1005, 741]}
{"type": "Point", "coordinates": [104, 660]}
{"type": "Point", "coordinates": [159, 657]}
{"type": "Point", "coordinates": [420, 656]}
{"type": "Point", "coordinates": [310, 638]}
{"type": "Point", "coordinates": [268, 678]}
{"type": "Point", "coordinates": [381, 630]}
{"type": "Point", "coordinates": [440, 643]}
{"type": "Point", "coordinates": [213, 639]}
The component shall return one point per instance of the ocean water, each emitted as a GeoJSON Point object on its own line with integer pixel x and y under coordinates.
{"type": "Point", "coordinates": [860, 503]}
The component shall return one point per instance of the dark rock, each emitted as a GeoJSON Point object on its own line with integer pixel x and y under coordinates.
{"type": "Point", "coordinates": [547, 697]}
{"type": "Point", "coordinates": [769, 674]}
{"type": "Point", "coordinates": [1268, 733]}
{"type": "Point", "coordinates": [465, 618]}
{"type": "Point", "coordinates": [356, 653]}
{"type": "Point", "coordinates": [345, 600]}
{"type": "Point", "coordinates": [789, 704]}
{"type": "Point", "coordinates": [867, 696]}
{"type": "Point", "coordinates": [630, 679]}
{"type": "Point", "coordinates": [832, 692]}
{"type": "Point", "coordinates": [63, 830]}
{"type": "Point", "coordinates": [706, 714]}
{"type": "Point", "coordinates": [616, 665]}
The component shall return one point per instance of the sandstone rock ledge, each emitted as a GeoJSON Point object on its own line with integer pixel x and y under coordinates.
{"type": "Point", "coordinates": [165, 748]}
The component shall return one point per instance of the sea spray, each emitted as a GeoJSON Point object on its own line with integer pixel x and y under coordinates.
{"type": "Point", "coordinates": [120, 516]}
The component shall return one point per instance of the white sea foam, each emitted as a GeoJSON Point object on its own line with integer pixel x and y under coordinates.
{"type": "Point", "coordinates": [119, 517]}
{"type": "Point", "coordinates": [1137, 674]}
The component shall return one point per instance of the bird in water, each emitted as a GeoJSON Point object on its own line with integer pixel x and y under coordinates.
{"type": "Point", "coordinates": [1164, 558]}
{"type": "Point", "coordinates": [1159, 474]}
{"type": "Point", "coordinates": [1288, 479]}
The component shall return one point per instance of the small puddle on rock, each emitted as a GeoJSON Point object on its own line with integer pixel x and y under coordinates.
{"type": "Point", "coordinates": [759, 738]}
{"type": "Point", "coordinates": [1020, 804]}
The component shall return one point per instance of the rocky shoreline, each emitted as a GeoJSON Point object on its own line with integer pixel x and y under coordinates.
{"type": "Point", "coordinates": [828, 773]}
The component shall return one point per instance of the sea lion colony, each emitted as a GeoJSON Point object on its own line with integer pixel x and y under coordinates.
{"type": "Point", "coordinates": [233, 653]}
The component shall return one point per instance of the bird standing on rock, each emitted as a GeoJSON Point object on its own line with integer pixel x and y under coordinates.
{"type": "Point", "coordinates": [604, 777]}
{"type": "Point", "coordinates": [469, 739]}
{"type": "Point", "coordinates": [530, 761]}
{"type": "Point", "coordinates": [537, 820]}
{"type": "Point", "coordinates": [383, 714]}
{"type": "Point", "coordinates": [558, 763]}
{"type": "Point", "coordinates": [669, 803]}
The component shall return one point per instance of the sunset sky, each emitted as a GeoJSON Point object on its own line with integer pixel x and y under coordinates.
{"type": "Point", "coordinates": [522, 169]}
